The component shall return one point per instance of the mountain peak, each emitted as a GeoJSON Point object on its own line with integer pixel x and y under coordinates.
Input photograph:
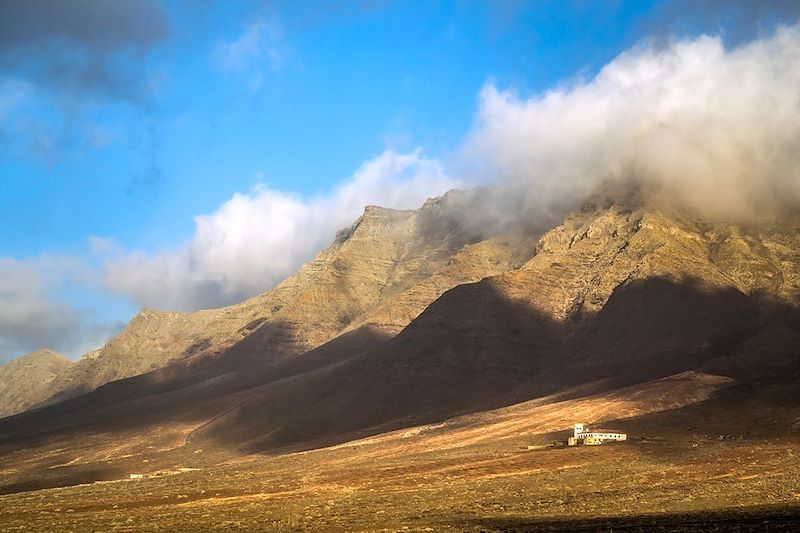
{"type": "Point", "coordinates": [25, 380]}
{"type": "Point", "coordinates": [625, 194]}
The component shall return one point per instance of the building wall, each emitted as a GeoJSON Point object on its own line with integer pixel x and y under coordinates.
{"type": "Point", "coordinates": [605, 436]}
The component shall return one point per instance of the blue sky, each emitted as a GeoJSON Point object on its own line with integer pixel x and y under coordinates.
{"type": "Point", "coordinates": [122, 122]}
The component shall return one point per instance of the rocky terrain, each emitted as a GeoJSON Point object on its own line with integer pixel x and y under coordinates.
{"type": "Point", "coordinates": [417, 344]}
{"type": "Point", "coordinates": [624, 289]}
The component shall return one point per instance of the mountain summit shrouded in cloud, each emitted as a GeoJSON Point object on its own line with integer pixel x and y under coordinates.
{"type": "Point", "coordinates": [716, 130]}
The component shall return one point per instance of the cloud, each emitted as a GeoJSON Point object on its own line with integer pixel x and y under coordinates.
{"type": "Point", "coordinates": [256, 239]}
{"type": "Point", "coordinates": [259, 48]}
{"type": "Point", "coordinates": [81, 47]}
{"type": "Point", "coordinates": [715, 129]}
{"type": "Point", "coordinates": [31, 318]}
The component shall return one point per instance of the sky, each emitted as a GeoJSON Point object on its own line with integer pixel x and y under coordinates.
{"type": "Point", "coordinates": [189, 154]}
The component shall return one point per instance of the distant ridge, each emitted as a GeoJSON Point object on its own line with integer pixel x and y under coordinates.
{"type": "Point", "coordinates": [26, 381]}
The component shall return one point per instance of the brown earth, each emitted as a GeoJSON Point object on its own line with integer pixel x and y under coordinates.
{"type": "Point", "coordinates": [490, 471]}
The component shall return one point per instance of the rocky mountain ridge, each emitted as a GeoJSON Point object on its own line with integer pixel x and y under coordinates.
{"type": "Point", "coordinates": [627, 289]}
{"type": "Point", "coordinates": [382, 271]}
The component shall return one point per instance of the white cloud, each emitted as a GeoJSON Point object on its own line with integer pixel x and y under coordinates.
{"type": "Point", "coordinates": [716, 129]}
{"type": "Point", "coordinates": [256, 239]}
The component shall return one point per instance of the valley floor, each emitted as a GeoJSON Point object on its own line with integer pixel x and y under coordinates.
{"type": "Point", "coordinates": [678, 484]}
{"type": "Point", "coordinates": [691, 463]}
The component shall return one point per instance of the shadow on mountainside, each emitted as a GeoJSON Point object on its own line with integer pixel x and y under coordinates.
{"type": "Point", "coordinates": [462, 353]}
{"type": "Point", "coordinates": [188, 390]}
{"type": "Point", "coordinates": [654, 327]}
{"type": "Point", "coordinates": [471, 350]}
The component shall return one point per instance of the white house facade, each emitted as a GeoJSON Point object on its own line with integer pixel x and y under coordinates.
{"type": "Point", "coordinates": [584, 435]}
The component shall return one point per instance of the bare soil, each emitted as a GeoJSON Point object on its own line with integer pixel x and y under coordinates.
{"type": "Point", "coordinates": [674, 474]}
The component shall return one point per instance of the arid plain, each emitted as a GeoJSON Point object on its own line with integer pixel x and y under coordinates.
{"type": "Point", "coordinates": [691, 463]}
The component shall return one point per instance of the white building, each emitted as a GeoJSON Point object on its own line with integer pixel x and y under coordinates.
{"type": "Point", "coordinates": [584, 435]}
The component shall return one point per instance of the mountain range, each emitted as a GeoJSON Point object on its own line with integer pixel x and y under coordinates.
{"type": "Point", "coordinates": [419, 317]}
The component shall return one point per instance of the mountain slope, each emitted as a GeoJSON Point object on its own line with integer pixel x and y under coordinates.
{"type": "Point", "coordinates": [472, 263]}
{"type": "Point", "coordinates": [625, 289]}
{"type": "Point", "coordinates": [25, 381]}
{"type": "Point", "coordinates": [385, 256]}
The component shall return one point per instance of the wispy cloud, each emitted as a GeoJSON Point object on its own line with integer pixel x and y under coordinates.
{"type": "Point", "coordinates": [259, 49]}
